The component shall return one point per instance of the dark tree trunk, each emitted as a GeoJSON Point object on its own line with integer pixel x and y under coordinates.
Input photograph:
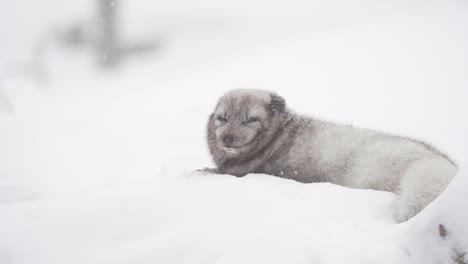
{"type": "Point", "coordinates": [108, 43]}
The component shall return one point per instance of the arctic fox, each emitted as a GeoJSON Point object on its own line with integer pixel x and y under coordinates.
{"type": "Point", "coordinates": [252, 131]}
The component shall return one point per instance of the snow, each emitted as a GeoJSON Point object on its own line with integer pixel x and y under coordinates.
{"type": "Point", "coordinates": [203, 218]}
{"type": "Point", "coordinates": [449, 214]}
{"type": "Point", "coordinates": [97, 167]}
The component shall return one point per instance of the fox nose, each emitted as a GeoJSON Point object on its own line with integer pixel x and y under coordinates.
{"type": "Point", "coordinates": [227, 140]}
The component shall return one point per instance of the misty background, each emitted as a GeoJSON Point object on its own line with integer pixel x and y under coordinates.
{"type": "Point", "coordinates": [103, 108]}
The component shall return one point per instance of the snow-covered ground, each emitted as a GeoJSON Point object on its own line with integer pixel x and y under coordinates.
{"type": "Point", "coordinates": [96, 167]}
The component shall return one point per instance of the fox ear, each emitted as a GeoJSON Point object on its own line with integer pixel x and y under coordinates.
{"type": "Point", "coordinates": [277, 104]}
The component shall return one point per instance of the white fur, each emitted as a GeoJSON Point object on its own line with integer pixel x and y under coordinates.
{"type": "Point", "coordinates": [417, 175]}
{"type": "Point", "coordinates": [421, 182]}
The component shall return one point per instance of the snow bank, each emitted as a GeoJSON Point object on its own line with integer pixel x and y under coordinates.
{"type": "Point", "coordinates": [204, 219]}
{"type": "Point", "coordinates": [440, 233]}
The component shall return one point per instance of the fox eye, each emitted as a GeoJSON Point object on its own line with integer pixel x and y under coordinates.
{"type": "Point", "coordinates": [221, 120]}
{"type": "Point", "coordinates": [251, 121]}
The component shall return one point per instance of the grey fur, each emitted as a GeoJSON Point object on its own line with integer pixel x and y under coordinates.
{"type": "Point", "coordinates": [269, 138]}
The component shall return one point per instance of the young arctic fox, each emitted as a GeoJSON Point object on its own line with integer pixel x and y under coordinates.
{"type": "Point", "coordinates": [252, 131]}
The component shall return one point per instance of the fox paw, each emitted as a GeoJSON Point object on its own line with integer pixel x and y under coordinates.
{"type": "Point", "coordinates": [207, 171]}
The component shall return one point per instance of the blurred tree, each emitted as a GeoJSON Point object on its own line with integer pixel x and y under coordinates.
{"type": "Point", "coordinates": [108, 44]}
{"type": "Point", "coordinates": [105, 38]}
{"type": "Point", "coordinates": [111, 48]}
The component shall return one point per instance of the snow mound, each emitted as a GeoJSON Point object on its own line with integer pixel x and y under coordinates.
{"type": "Point", "coordinates": [199, 218]}
{"type": "Point", "coordinates": [439, 234]}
